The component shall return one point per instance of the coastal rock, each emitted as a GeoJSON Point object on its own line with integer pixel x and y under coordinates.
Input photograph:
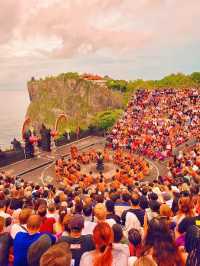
{"type": "Point", "coordinates": [77, 98]}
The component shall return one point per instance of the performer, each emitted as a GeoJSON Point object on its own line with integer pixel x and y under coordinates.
{"type": "Point", "coordinates": [78, 131]}
{"type": "Point", "coordinates": [16, 145]}
{"type": "Point", "coordinates": [74, 152]}
{"type": "Point", "coordinates": [100, 164]}
{"type": "Point", "coordinates": [29, 148]}
{"type": "Point", "coordinates": [106, 155]}
{"type": "Point", "coordinates": [45, 138]}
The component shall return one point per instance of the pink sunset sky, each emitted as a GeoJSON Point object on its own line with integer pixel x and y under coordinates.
{"type": "Point", "coordinates": [125, 39]}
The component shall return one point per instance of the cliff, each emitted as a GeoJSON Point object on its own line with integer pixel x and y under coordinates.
{"type": "Point", "coordinates": [81, 100]}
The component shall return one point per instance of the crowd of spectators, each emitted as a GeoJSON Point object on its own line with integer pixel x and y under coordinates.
{"type": "Point", "coordinates": [146, 223]}
{"type": "Point", "coordinates": [186, 164]}
{"type": "Point", "coordinates": [157, 121]}
{"type": "Point", "coordinates": [117, 221]}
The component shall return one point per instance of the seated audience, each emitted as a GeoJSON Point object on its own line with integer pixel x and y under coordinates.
{"type": "Point", "coordinates": [93, 217]}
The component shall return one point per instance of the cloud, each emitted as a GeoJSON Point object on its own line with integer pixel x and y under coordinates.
{"type": "Point", "coordinates": [52, 35]}
{"type": "Point", "coordinates": [73, 24]}
{"type": "Point", "coordinates": [9, 17]}
{"type": "Point", "coordinates": [77, 27]}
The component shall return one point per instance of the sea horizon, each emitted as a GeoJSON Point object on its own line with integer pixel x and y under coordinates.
{"type": "Point", "coordinates": [13, 108]}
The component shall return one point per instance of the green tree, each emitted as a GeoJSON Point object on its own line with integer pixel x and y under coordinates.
{"type": "Point", "coordinates": [105, 120]}
{"type": "Point", "coordinates": [119, 85]}
{"type": "Point", "coordinates": [195, 76]}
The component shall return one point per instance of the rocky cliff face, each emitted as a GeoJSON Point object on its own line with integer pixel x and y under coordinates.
{"type": "Point", "coordinates": [79, 99]}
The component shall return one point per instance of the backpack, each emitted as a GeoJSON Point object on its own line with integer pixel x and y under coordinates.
{"type": "Point", "coordinates": [131, 222]}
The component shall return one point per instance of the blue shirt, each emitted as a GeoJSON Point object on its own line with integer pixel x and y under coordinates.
{"type": "Point", "coordinates": [22, 243]}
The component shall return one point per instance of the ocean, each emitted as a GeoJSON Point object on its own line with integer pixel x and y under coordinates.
{"type": "Point", "coordinates": [13, 106]}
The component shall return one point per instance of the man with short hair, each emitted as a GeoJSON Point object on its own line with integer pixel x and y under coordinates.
{"type": "Point", "coordinates": [47, 223]}
{"type": "Point", "coordinates": [135, 200]}
{"type": "Point", "coordinates": [100, 213]}
{"type": "Point", "coordinates": [88, 224]}
{"type": "Point", "coordinates": [23, 240]}
{"type": "Point", "coordinates": [134, 217]}
{"type": "Point", "coordinates": [122, 204]}
{"type": "Point", "coordinates": [21, 226]}
{"type": "Point", "coordinates": [52, 212]}
{"type": "Point", "coordinates": [110, 206]}
{"type": "Point", "coordinates": [78, 243]}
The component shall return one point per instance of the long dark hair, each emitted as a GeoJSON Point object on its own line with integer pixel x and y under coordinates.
{"type": "Point", "coordinates": [193, 258]}
{"type": "Point", "coordinates": [192, 238]}
{"type": "Point", "coordinates": [160, 238]}
{"type": "Point", "coordinates": [192, 245]}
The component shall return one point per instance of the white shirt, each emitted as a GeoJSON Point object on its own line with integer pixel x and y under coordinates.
{"type": "Point", "coordinates": [119, 209]}
{"type": "Point", "coordinates": [4, 215]}
{"type": "Point", "coordinates": [88, 228]}
{"type": "Point", "coordinates": [131, 260]}
{"type": "Point", "coordinates": [122, 247]}
{"type": "Point", "coordinates": [16, 228]}
{"type": "Point", "coordinates": [111, 222]}
{"type": "Point", "coordinates": [169, 202]}
{"type": "Point", "coordinates": [131, 222]}
{"type": "Point", "coordinates": [195, 168]}
{"type": "Point", "coordinates": [53, 215]}
{"type": "Point", "coordinates": [120, 258]}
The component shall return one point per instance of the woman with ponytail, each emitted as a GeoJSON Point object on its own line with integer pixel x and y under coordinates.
{"type": "Point", "coordinates": [104, 254]}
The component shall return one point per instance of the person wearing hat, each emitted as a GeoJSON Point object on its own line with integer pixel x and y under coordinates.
{"type": "Point", "coordinates": [78, 243]}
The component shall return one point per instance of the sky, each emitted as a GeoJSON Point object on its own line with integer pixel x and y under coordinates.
{"type": "Point", "coordinates": [125, 39]}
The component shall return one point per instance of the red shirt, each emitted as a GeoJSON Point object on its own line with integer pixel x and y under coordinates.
{"type": "Point", "coordinates": [135, 251]}
{"type": "Point", "coordinates": [47, 225]}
